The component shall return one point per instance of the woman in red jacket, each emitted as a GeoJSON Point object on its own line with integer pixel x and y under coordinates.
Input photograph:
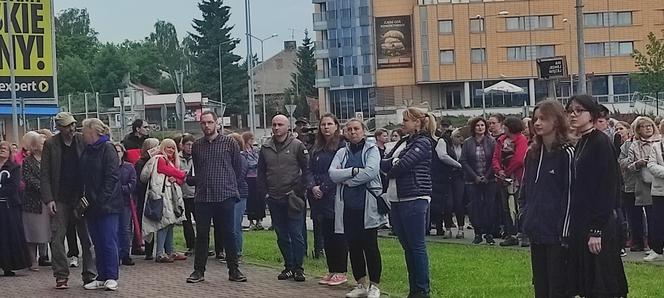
{"type": "Point", "coordinates": [507, 163]}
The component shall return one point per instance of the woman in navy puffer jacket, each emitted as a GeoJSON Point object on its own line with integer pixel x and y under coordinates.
{"type": "Point", "coordinates": [410, 165]}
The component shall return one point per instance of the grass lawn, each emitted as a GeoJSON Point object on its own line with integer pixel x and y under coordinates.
{"type": "Point", "coordinates": [456, 270]}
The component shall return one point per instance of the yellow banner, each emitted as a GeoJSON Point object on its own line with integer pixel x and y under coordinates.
{"type": "Point", "coordinates": [31, 22]}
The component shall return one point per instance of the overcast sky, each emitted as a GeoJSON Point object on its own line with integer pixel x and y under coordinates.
{"type": "Point", "coordinates": [118, 20]}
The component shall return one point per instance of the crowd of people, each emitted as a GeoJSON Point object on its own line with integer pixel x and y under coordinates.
{"type": "Point", "coordinates": [575, 186]}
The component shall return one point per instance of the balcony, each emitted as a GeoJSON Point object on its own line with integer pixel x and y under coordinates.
{"type": "Point", "coordinates": [321, 50]}
{"type": "Point", "coordinates": [322, 79]}
{"type": "Point", "coordinates": [320, 21]}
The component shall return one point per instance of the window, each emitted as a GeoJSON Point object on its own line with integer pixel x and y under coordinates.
{"type": "Point", "coordinates": [528, 23]}
{"type": "Point", "coordinates": [477, 25]}
{"type": "Point", "coordinates": [446, 57]}
{"type": "Point", "coordinates": [425, 57]}
{"type": "Point", "coordinates": [364, 11]}
{"type": "Point", "coordinates": [607, 19]}
{"type": "Point", "coordinates": [523, 53]}
{"type": "Point", "coordinates": [445, 27]}
{"type": "Point", "coordinates": [606, 49]}
{"type": "Point", "coordinates": [477, 55]}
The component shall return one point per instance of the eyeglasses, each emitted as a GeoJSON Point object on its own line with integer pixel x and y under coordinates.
{"type": "Point", "coordinates": [576, 111]}
{"type": "Point", "coordinates": [146, 127]}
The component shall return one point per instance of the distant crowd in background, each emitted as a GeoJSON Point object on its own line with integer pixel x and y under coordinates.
{"type": "Point", "coordinates": [577, 187]}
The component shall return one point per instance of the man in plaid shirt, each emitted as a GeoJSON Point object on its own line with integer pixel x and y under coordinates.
{"type": "Point", "coordinates": [216, 161]}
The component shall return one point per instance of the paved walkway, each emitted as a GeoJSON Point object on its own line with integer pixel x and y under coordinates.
{"type": "Point", "coordinates": [150, 279]}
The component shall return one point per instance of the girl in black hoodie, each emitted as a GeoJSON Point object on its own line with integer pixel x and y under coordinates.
{"type": "Point", "coordinates": [545, 197]}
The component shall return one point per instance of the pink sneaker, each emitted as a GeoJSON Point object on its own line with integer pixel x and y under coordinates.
{"type": "Point", "coordinates": [326, 279]}
{"type": "Point", "coordinates": [338, 279]}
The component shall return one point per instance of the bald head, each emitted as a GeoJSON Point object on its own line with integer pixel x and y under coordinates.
{"type": "Point", "coordinates": [280, 126]}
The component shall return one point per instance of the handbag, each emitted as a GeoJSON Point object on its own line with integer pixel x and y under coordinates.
{"type": "Point", "coordinates": [178, 209]}
{"type": "Point", "coordinates": [154, 203]}
{"type": "Point", "coordinates": [383, 204]}
{"type": "Point", "coordinates": [81, 207]}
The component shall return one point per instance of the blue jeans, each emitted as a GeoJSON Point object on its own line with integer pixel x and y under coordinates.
{"type": "Point", "coordinates": [165, 241]}
{"type": "Point", "coordinates": [240, 207]}
{"type": "Point", "coordinates": [103, 229]}
{"type": "Point", "coordinates": [289, 233]}
{"type": "Point", "coordinates": [409, 220]}
{"type": "Point", "coordinates": [124, 232]}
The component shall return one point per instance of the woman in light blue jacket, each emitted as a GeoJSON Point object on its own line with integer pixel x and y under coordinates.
{"type": "Point", "coordinates": [356, 170]}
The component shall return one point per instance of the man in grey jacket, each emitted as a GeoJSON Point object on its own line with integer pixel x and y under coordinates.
{"type": "Point", "coordinates": [61, 191]}
{"type": "Point", "coordinates": [282, 171]}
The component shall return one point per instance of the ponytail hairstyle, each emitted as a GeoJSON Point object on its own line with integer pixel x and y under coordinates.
{"type": "Point", "coordinates": [98, 126]}
{"type": "Point", "coordinates": [428, 120]}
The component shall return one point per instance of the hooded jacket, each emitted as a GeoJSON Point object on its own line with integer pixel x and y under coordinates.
{"type": "Point", "coordinates": [369, 176]}
{"type": "Point", "coordinates": [283, 168]}
{"type": "Point", "coordinates": [100, 177]}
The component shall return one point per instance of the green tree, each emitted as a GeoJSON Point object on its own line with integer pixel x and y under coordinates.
{"type": "Point", "coordinates": [302, 82]}
{"type": "Point", "coordinates": [211, 33]}
{"type": "Point", "coordinates": [74, 36]}
{"type": "Point", "coordinates": [650, 77]}
{"type": "Point", "coordinates": [110, 71]}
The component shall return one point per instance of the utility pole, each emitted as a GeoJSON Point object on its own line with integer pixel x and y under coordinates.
{"type": "Point", "coordinates": [179, 103]}
{"type": "Point", "coordinates": [97, 103]}
{"type": "Point", "coordinates": [580, 41]}
{"type": "Point", "coordinates": [85, 97]}
{"type": "Point", "coordinates": [250, 62]}
{"type": "Point", "coordinates": [221, 85]}
{"type": "Point", "coordinates": [121, 93]}
{"type": "Point", "coordinates": [69, 102]}
{"type": "Point", "coordinates": [12, 70]}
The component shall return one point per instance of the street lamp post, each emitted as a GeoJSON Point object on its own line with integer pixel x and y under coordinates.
{"type": "Point", "coordinates": [221, 86]}
{"type": "Point", "coordinates": [485, 61]}
{"type": "Point", "coordinates": [262, 41]}
{"type": "Point", "coordinates": [571, 77]}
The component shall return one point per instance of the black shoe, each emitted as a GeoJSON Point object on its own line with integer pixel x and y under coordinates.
{"type": "Point", "coordinates": [196, 277]}
{"type": "Point", "coordinates": [211, 253]}
{"type": "Point", "coordinates": [318, 254]}
{"type": "Point", "coordinates": [286, 274]}
{"type": "Point", "coordinates": [478, 239]}
{"type": "Point", "coordinates": [418, 295]}
{"type": "Point", "coordinates": [138, 252]}
{"type": "Point", "coordinates": [9, 273]}
{"type": "Point", "coordinates": [189, 252]}
{"type": "Point", "coordinates": [149, 257]}
{"type": "Point", "coordinates": [525, 241]}
{"type": "Point", "coordinates": [236, 275]}
{"type": "Point", "coordinates": [44, 262]}
{"type": "Point", "coordinates": [636, 248]}
{"type": "Point", "coordinates": [298, 275]}
{"type": "Point", "coordinates": [489, 239]}
{"type": "Point", "coordinates": [511, 241]}
{"type": "Point", "coordinates": [127, 261]}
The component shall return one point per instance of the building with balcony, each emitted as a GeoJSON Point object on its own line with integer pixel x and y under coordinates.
{"type": "Point", "coordinates": [344, 52]}
{"type": "Point", "coordinates": [444, 51]}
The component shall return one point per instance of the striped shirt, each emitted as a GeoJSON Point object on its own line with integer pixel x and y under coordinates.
{"type": "Point", "coordinates": [480, 159]}
{"type": "Point", "coordinates": [217, 168]}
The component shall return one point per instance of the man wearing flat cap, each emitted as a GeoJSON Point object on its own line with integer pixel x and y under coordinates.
{"type": "Point", "coordinates": [61, 191]}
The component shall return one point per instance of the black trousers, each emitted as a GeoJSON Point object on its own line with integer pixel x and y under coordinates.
{"type": "Point", "coordinates": [187, 226]}
{"type": "Point", "coordinates": [363, 246]}
{"type": "Point", "coordinates": [656, 238]}
{"type": "Point", "coordinates": [72, 240]}
{"type": "Point", "coordinates": [336, 249]}
{"type": "Point", "coordinates": [255, 204]}
{"type": "Point", "coordinates": [455, 204]}
{"type": "Point", "coordinates": [634, 219]}
{"type": "Point", "coordinates": [549, 265]}
{"type": "Point", "coordinates": [223, 212]}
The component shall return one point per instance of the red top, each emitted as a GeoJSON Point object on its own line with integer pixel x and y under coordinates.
{"type": "Point", "coordinates": [133, 155]}
{"type": "Point", "coordinates": [516, 164]}
{"type": "Point", "coordinates": [167, 168]}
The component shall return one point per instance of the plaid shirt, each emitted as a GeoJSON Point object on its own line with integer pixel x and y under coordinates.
{"type": "Point", "coordinates": [216, 169]}
{"type": "Point", "coordinates": [480, 158]}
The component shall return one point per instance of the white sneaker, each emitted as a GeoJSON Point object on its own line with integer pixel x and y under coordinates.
{"type": "Point", "coordinates": [649, 252]}
{"type": "Point", "coordinates": [359, 291]}
{"type": "Point", "coordinates": [94, 285]}
{"type": "Point", "coordinates": [111, 285]}
{"type": "Point", "coordinates": [652, 257]}
{"type": "Point", "coordinates": [73, 262]}
{"type": "Point", "coordinates": [374, 292]}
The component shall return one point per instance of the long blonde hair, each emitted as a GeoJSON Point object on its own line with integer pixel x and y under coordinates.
{"type": "Point", "coordinates": [428, 120]}
{"type": "Point", "coordinates": [165, 143]}
{"type": "Point", "coordinates": [98, 126]}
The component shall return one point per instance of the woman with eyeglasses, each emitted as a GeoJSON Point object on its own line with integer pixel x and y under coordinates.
{"type": "Point", "coordinates": [595, 268]}
{"type": "Point", "coordinates": [646, 137]}
{"type": "Point", "coordinates": [633, 214]}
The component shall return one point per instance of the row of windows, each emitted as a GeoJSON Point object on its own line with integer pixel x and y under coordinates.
{"type": "Point", "coordinates": [524, 53]}
{"type": "Point", "coordinates": [607, 49]}
{"type": "Point", "coordinates": [350, 66]}
{"type": "Point", "coordinates": [346, 13]}
{"type": "Point", "coordinates": [521, 53]}
{"type": "Point", "coordinates": [348, 37]}
{"type": "Point", "coordinates": [526, 23]}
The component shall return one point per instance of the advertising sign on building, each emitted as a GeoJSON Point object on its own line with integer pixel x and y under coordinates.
{"type": "Point", "coordinates": [552, 68]}
{"type": "Point", "coordinates": [31, 24]}
{"type": "Point", "coordinates": [394, 44]}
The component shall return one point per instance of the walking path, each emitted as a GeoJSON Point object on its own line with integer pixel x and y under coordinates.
{"type": "Point", "coordinates": [150, 279]}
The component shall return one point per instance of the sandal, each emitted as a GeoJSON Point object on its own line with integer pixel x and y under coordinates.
{"type": "Point", "coordinates": [61, 284]}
